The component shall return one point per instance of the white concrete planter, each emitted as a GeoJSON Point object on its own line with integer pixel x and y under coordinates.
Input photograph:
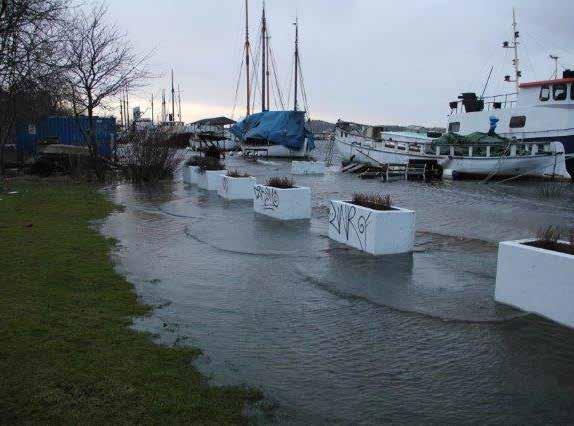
{"type": "Point", "coordinates": [284, 204]}
{"type": "Point", "coordinates": [210, 179]}
{"type": "Point", "coordinates": [536, 280]}
{"type": "Point", "coordinates": [307, 167]}
{"type": "Point", "coordinates": [236, 188]}
{"type": "Point", "coordinates": [372, 231]}
{"type": "Point", "coordinates": [190, 174]}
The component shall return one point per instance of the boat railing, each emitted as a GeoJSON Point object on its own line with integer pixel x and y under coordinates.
{"type": "Point", "coordinates": [512, 149]}
{"type": "Point", "coordinates": [486, 103]}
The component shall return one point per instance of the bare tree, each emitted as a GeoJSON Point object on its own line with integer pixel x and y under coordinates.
{"type": "Point", "coordinates": [31, 64]}
{"type": "Point", "coordinates": [102, 62]}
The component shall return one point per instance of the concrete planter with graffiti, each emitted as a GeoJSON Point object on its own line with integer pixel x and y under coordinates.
{"type": "Point", "coordinates": [210, 179]}
{"type": "Point", "coordinates": [282, 203]}
{"type": "Point", "coordinates": [236, 188]}
{"type": "Point", "coordinates": [372, 231]}
{"type": "Point", "coordinates": [190, 174]}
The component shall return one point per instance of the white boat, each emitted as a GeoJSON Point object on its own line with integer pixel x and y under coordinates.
{"type": "Point", "coordinates": [502, 158]}
{"type": "Point", "coordinates": [212, 132]}
{"type": "Point", "coordinates": [534, 121]}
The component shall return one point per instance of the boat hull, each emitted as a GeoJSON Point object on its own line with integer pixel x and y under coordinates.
{"type": "Point", "coordinates": [274, 151]}
{"type": "Point", "coordinates": [536, 165]}
{"type": "Point", "coordinates": [350, 151]}
{"type": "Point", "coordinates": [224, 145]}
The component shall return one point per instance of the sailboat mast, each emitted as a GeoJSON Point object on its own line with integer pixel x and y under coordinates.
{"type": "Point", "coordinates": [263, 59]}
{"type": "Point", "coordinates": [172, 98]}
{"type": "Point", "coordinates": [296, 62]}
{"type": "Point", "coordinates": [247, 56]}
{"type": "Point", "coordinates": [163, 105]}
{"type": "Point", "coordinates": [179, 103]}
{"type": "Point", "coordinates": [267, 70]}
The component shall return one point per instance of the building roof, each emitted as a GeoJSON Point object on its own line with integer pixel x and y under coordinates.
{"type": "Point", "coordinates": [543, 82]}
{"type": "Point", "coordinates": [216, 121]}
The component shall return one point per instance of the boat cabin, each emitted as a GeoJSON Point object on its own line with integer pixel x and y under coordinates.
{"type": "Point", "coordinates": [541, 109]}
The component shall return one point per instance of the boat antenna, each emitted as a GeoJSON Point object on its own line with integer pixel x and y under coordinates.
{"type": "Point", "coordinates": [514, 46]}
{"type": "Point", "coordinates": [172, 98]}
{"type": "Point", "coordinates": [296, 61]}
{"type": "Point", "coordinates": [487, 81]}
{"type": "Point", "coordinates": [555, 59]}
{"type": "Point", "coordinates": [263, 58]}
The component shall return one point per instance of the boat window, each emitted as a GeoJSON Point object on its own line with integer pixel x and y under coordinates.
{"type": "Point", "coordinates": [444, 150]}
{"type": "Point", "coordinates": [522, 150]}
{"type": "Point", "coordinates": [572, 91]}
{"type": "Point", "coordinates": [454, 127]}
{"type": "Point", "coordinates": [497, 151]}
{"type": "Point", "coordinates": [559, 92]}
{"type": "Point", "coordinates": [479, 151]}
{"type": "Point", "coordinates": [544, 92]}
{"type": "Point", "coordinates": [517, 121]}
{"type": "Point", "coordinates": [460, 151]}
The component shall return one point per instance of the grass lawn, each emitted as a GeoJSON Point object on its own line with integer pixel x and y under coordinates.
{"type": "Point", "coordinates": [66, 352]}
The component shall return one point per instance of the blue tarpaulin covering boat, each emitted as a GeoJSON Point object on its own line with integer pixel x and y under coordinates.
{"type": "Point", "coordinates": [285, 128]}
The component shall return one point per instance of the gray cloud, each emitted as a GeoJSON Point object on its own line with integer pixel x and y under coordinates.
{"type": "Point", "coordinates": [364, 60]}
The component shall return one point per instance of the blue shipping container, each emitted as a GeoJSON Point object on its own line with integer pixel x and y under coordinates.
{"type": "Point", "coordinates": [67, 131]}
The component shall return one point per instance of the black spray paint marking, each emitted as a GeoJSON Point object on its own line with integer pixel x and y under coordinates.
{"type": "Point", "coordinates": [224, 184]}
{"type": "Point", "coordinates": [344, 219]}
{"type": "Point", "coordinates": [269, 195]}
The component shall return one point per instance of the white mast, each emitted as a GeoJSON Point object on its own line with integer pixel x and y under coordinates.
{"type": "Point", "coordinates": [514, 46]}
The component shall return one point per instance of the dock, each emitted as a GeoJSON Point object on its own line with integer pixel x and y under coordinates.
{"type": "Point", "coordinates": [413, 170]}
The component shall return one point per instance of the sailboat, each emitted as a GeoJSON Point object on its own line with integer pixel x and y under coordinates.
{"type": "Point", "coordinates": [272, 133]}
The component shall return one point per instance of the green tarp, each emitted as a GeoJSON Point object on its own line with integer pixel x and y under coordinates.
{"type": "Point", "coordinates": [475, 138]}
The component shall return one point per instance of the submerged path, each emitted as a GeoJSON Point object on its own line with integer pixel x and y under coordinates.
{"type": "Point", "coordinates": [333, 335]}
{"type": "Point", "coordinates": [67, 354]}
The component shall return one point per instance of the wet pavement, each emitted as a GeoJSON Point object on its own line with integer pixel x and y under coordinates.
{"type": "Point", "coordinates": [330, 334]}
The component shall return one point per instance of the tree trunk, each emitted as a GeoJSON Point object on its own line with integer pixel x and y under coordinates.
{"type": "Point", "coordinates": [98, 164]}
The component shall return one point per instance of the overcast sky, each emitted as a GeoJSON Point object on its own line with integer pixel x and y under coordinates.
{"type": "Point", "coordinates": [371, 61]}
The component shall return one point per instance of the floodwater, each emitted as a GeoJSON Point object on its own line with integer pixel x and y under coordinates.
{"type": "Point", "coordinates": [330, 334]}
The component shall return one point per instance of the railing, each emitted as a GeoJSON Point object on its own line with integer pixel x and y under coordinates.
{"type": "Point", "coordinates": [503, 101]}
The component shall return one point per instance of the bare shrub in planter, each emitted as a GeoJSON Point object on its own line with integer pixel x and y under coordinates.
{"type": "Point", "coordinates": [238, 174]}
{"type": "Point", "coordinates": [146, 158]}
{"type": "Point", "coordinates": [373, 201]}
{"type": "Point", "coordinates": [280, 182]}
{"type": "Point", "coordinates": [210, 163]}
{"type": "Point", "coordinates": [549, 238]}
